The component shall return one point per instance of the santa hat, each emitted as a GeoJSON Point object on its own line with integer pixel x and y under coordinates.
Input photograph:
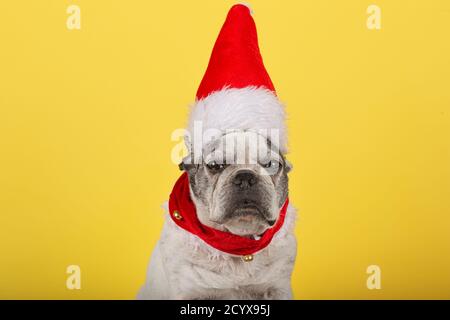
{"type": "Point", "coordinates": [236, 92]}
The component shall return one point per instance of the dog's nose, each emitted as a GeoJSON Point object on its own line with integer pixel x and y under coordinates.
{"type": "Point", "coordinates": [245, 179]}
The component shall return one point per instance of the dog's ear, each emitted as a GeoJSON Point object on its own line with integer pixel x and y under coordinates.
{"type": "Point", "coordinates": [287, 165]}
{"type": "Point", "coordinates": [187, 165]}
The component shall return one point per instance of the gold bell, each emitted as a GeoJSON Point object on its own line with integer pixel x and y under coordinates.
{"type": "Point", "coordinates": [247, 257]}
{"type": "Point", "coordinates": [177, 215]}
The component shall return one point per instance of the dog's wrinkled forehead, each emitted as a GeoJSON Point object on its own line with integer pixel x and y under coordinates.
{"type": "Point", "coordinates": [239, 147]}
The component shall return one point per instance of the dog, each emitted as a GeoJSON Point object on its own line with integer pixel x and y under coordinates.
{"type": "Point", "coordinates": [229, 225]}
{"type": "Point", "coordinates": [243, 199]}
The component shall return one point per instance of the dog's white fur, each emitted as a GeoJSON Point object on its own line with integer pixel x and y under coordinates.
{"type": "Point", "coordinates": [182, 266]}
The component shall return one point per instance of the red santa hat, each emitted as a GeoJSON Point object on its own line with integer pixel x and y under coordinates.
{"type": "Point", "coordinates": [236, 92]}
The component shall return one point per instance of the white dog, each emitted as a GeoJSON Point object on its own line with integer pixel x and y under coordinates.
{"type": "Point", "coordinates": [242, 199]}
{"type": "Point", "coordinates": [229, 227]}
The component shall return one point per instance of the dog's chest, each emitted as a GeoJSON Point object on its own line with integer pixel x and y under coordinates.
{"type": "Point", "coordinates": [195, 269]}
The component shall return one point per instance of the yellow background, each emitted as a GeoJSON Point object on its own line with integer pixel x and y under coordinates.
{"type": "Point", "coordinates": [86, 117]}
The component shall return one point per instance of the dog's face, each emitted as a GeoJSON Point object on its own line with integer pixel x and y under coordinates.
{"type": "Point", "coordinates": [239, 187]}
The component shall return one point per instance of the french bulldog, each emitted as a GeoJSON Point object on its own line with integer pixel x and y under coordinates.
{"type": "Point", "coordinates": [239, 192]}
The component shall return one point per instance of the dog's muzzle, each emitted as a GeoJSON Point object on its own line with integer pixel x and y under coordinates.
{"type": "Point", "coordinates": [247, 197]}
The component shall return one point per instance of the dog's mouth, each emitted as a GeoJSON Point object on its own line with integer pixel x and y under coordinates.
{"type": "Point", "coordinates": [249, 212]}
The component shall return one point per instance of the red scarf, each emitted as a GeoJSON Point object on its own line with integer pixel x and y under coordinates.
{"type": "Point", "coordinates": [183, 212]}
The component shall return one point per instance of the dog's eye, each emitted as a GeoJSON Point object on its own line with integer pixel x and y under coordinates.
{"type": "Point", "coordinates": [214, 166]}
{"type": "Point", "coordinates": [271, 164]}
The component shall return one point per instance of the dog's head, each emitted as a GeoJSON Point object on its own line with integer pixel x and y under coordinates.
{"type": "Point", "coordinates": [240, 183]}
